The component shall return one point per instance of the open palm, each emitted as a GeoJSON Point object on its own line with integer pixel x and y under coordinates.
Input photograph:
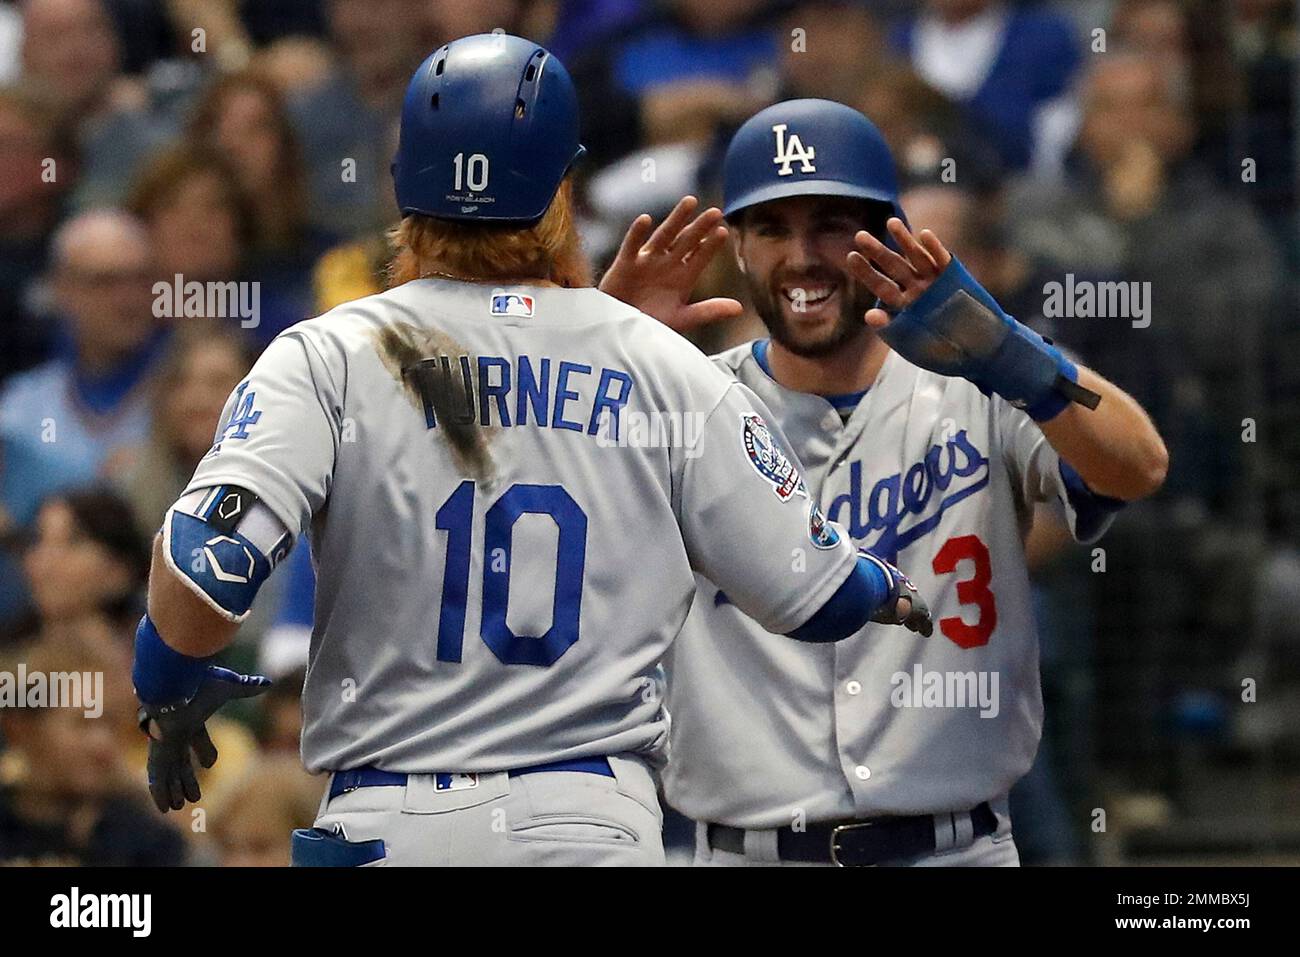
{"type": "Point", "coordinates": [656, 270]}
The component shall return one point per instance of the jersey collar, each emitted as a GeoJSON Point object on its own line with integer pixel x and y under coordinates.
{"type": "Point", "coordinates": [844, 402]}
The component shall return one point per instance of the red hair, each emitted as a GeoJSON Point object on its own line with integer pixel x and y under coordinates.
{"type": "Point", "coordinates": [549, 249]}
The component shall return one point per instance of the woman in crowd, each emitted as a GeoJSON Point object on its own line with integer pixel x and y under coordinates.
{"type": "Point", "coordinates": [204, 363]}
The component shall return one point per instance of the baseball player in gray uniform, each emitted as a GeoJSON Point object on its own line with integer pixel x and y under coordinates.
{"type": "Point", "coordinates": [504, 552]}
{"type": "Point", "coordinates": [929, 431]}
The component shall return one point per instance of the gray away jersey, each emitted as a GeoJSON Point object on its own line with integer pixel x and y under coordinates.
{"type": "Point", "coordinates": [936, 477]}
{"type": "Point", "coordinates": [504, 555]}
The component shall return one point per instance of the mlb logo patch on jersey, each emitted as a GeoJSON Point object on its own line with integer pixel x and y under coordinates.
{"type": "Point", "coordinates": [454, 782]}
{"type": "Point", "coordinates": [511, 304]}
{"type": "Point", "coordinates": [768, 459]}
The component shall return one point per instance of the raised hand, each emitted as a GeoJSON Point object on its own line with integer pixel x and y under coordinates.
{"type": "Point", "coordinates": [655, 270]}
{"type": "Point", "coordinates": [897, 279]}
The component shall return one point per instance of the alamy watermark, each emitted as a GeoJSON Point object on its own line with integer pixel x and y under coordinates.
{"type": "Point", "coordinates": [212, 300]}
{"type": "Point", "coordinates": [946, 689]}
{"type": "Point", "coordinates": [133, 912]}
{"type": "Point", "coordinates": [1086, 299]}
{"type": "Point", "coordinates": [79, 690]}
{"type": "Point", "coordinates": [651, 430]}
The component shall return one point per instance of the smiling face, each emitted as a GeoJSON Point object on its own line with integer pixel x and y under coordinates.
{"type": "Point", "coordinates": [793, 254]}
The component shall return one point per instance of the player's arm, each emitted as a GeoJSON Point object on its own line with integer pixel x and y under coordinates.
{"type": "Point", "coordinates": [268, 472]}
{"type": "Point", "coordinates": [1115, 447]}
{"type": "Point", "coordinates": [751, 528]}
{"type": "Point", "coordinates": [938, 317]}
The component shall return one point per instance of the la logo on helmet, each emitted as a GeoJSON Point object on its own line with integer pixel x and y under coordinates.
{"type": "Point", "coordinates": [791, 150]}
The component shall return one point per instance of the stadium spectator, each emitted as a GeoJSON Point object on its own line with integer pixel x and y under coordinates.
{"type": "Point", "coordinates": [199, 219]}
{"type": "Point", "coordinates": [253, 816]}
{"type": "Point", "coordinates": [70, 48]}
{"type": "Point", "coordinates": [830, 49]}
{"type": "Point", "coordinates": [202, 227]}
{"type": "Point", "coordinates": [85, 562]}
{"type": "Point", "coordinates": [87, 407]}
{"type": "Point", "coordinates": [35, 170]}
{"type": "Point", "coordinates": [1136, 207]}
{"type": "Point", "coordinates": [243, 117]}
{"type": "Point", "coordinates": [702, 64]}
{"type": "Point", "coordinates": [204, 362]}
{"type": "Point", "coordinates": [73, 54]}
{"type": "Point", "coordinates": [66, 797]}
{"type": "Point", "coordinates": [1191, 43]}
{"type": "Point", "coordinates": [26, 478]}
{"type": "Point", "coordinates": [930, 136]}
{"type": "Point", "coordinates": [1010, 67]}
{"type": "Point", "coordinates": [343, 123]}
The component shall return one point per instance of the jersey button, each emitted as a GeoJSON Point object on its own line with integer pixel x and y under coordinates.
{"type": "Point", "coordinates": [862, 771]}
{"type": "Point", "coordinates": [853, 687]}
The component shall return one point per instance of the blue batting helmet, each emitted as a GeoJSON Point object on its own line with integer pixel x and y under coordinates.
{"type": "Point", "coordinates": [808, 148]}
{"type": "Point", "coordinates": [489, 130]}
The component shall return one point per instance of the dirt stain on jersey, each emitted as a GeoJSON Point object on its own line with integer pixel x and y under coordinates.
{"type": "Point", "coordinates": [436, 372]}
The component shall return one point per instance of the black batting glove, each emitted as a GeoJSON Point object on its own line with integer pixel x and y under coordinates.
{"type": "Point", "coordinates": [904, 606]}
{"type": "Point", "coordinates": [175, 730]}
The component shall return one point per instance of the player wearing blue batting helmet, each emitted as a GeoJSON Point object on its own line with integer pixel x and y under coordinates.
{"type": "Point", "coordinates": [489, 131]}
{"type": "Point", "coordinates": [800, 179]}
{"type": "Point", "coordinates": [808, 148]}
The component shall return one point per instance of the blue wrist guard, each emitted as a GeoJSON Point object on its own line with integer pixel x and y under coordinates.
{"type": "Point", "coordinates": [161, 674]}
{"type": "Point", "coordinates": [957, 329]}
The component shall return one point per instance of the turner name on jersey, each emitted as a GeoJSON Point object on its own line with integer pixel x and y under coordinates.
{"type": "Point", "coordinates": [522, 390]}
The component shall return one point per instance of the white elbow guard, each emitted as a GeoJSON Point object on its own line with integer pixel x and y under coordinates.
{"type": "Point", "coordinates": [223, 542]}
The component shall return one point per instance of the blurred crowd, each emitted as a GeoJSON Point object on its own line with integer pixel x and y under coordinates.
{"type": "Point", "coordinates": [220, 141]}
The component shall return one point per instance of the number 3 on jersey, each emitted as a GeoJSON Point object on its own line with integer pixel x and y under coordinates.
{"type": "Point", "coordinates": [456, 518]}
{"type": "Point", "coordinates": [970, 591]}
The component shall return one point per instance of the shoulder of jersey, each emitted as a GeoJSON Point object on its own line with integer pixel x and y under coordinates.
{"type": "Point", "coordinates": [651, 339]}
{"type": "Point", "coordinates": [730, 360]}
{"type": "Point", "coordinates": [654, 340]}
{"type": "Point", "coordinates": [389, 304]}
{"type": "Point", "coordinates": [349, 325]}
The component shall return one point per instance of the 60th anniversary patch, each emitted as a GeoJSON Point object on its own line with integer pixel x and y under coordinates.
{"type": "Point", "coordinates": [769, 461]}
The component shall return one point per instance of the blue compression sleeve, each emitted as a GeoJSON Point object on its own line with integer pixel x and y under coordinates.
{"type": "Point", "coordinates": [850, 608]}
{"type": "Point", "coordinates": [161, 674]}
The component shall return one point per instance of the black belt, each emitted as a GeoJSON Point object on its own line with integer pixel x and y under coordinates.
{"type": "Point", "coordinates": [860, 843]}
